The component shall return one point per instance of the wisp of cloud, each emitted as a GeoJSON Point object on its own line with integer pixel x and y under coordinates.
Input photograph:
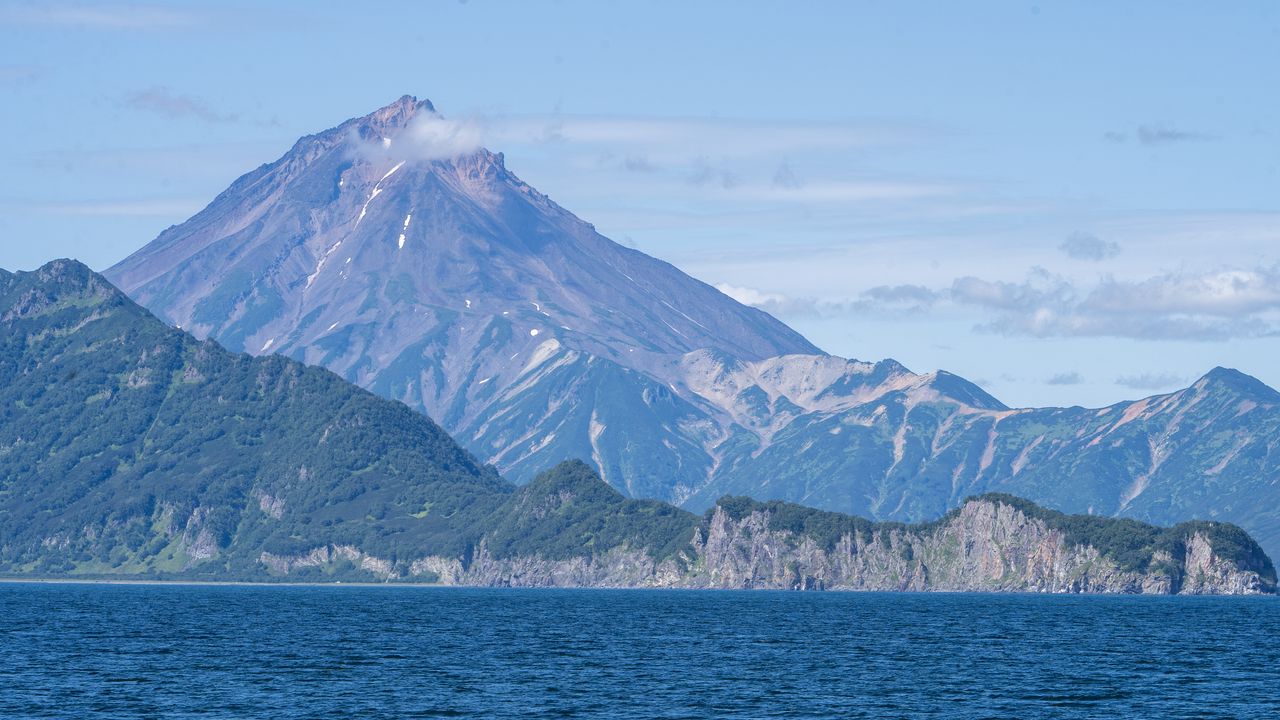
{"type": "Point", "coordinates": [428, 136]}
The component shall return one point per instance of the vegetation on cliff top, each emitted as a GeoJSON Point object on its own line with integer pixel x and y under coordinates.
{"type": "Point", "coordinates": [568, 511]}
{"type": "Point", "coordinates": [824, 527]}
{"type": "Point", "coordinates": [1133, 545]}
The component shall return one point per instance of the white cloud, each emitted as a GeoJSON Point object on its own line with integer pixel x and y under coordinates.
{"type": "Point", "coordinates": [213, 164]}
{"type": "Point", "coordinates": [778, 304]}
{"type": "Point", "coordinates": [703, 173]}
{"type": "Point", "coordinates": [1207, 306]}
{"type": "Point", "coordinates": [637, 163]}
{"type": "Point", "coordinates": [749, 296]}
{"type": "Point", "coordinates": [916, 295]}
{"type": "Point", "coordinates": [1213, 305]}
{"type": "Point", "coordinates": [432, 137]}
{"type": "Point", "coordinates": [1227, 293]}
{"type": "Point", "coordinates": [728, 162]}
{"type": "Point", "coordinates": [428, 136]}
{"type": "Point", "coordinates": [1040, 290]}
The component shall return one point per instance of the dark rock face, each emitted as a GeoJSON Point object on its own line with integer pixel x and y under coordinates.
{"type": "Point", "coordinates": [442, 280]}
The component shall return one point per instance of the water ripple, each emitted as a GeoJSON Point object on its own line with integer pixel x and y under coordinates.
{"type": "Point", "coordinates": [124, 651]}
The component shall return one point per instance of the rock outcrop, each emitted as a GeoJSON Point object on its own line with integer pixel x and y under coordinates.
{"type": "Point", "coordinates": [987, 545]}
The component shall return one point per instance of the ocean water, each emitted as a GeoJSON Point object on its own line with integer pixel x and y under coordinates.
{"type": "Point", "coordinates": [123, 651]}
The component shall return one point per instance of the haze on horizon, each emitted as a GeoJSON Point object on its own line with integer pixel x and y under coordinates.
{"type": "Point", "coordinates": [1068, 205]}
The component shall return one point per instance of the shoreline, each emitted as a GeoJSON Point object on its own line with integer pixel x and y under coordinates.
{"type": "Point", "coordinates": [427, 586]}
{"type": "Point", "coordinates": [213, 583]}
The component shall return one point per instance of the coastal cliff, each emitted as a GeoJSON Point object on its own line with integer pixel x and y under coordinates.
{"type": "Point", "coordinates": [989, 544]}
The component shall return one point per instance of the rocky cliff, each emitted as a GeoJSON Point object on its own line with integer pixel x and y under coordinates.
{"type": "Point", "coordinates": [987, 545]}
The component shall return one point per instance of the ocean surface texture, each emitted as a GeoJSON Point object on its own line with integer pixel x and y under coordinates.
{"type": "Point", "coordinates": [122, 651]}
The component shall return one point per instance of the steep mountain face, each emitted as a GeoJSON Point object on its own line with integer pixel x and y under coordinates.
{"type": "Point", "coordinates": [449, 284]}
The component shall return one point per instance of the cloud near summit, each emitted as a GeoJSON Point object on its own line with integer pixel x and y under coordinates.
{"type": "Point", "coordinates": [428, 136]}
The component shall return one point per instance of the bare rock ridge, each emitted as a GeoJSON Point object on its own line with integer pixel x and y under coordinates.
{"type": "Point", "coordinates": [434, 276]}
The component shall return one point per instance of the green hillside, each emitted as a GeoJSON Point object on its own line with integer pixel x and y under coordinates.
{"type": "Point", "coordinates": [126, 446]}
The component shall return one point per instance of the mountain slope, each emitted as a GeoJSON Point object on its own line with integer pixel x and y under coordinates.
{"type": "Point", "coordinates": [451, 285]}
{"type": "Point", "coordinates": [128, 446]}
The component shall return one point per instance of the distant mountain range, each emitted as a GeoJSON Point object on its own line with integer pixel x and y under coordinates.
{"type": "Point", "coordinates": [130, 449]}
{"type": "Point", "coordinates": [451, 285]}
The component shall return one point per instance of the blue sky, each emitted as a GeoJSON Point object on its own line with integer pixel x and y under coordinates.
{"type": "Point", "coordinates": [1070, 203]}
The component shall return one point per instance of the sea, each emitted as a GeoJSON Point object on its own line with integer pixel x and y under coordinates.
{"type": "Point", "coordinates": [241, 651]}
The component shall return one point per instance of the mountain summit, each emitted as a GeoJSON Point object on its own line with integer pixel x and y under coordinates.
{"type": "Point", "coordinates": [399, 253]}
{"type": "Point", "coordinates": [394, 218]}
{"type": "Point", "coordinates": [396, 253]}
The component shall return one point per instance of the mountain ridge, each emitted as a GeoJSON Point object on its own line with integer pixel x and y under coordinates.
{"type": "Point", "coordinates": [129, 449]}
